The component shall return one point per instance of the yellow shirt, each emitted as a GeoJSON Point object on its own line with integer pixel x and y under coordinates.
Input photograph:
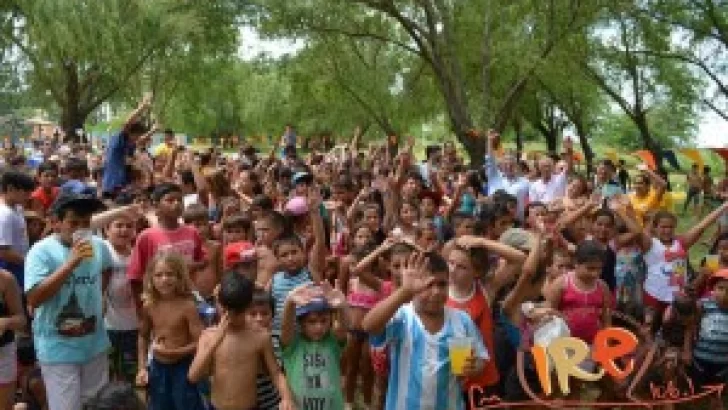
{"type": "Point", "coordinates": [162, 150]}
{"type": "Point", "coordinates": [650, 202]}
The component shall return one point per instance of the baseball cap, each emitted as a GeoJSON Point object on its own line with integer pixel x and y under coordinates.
{"type": "Point", "coordinates": [297, 206]}
{"type": "Point", "coordinates": [74, 186]}
{"type": "Point", "coordinates": [68, 199]}
{"type": "Point", "coordinates": [238, 252]}
{"type": "Point", "coordinates": [315, 305]}
{"type": "Point", "coordinates": [302, 177]}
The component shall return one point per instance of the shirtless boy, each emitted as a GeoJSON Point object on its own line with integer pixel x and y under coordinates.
{"type": "Point", "coordinates": [232, 353]}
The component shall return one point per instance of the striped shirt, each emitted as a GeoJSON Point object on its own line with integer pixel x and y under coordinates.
{"type": "Point", "coordinates": [420, 377]}
{"type": "Point", "coordinates": [268, 398]}
{"type": "Point", "coordinates": [281, 285]}
{"type": "Point", "coordinates": [712, 344]}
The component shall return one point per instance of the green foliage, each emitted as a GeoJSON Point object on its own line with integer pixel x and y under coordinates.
{"type": "Point", "coordinates": [625, 72]}
{"type": "Point", "coordinates": [82, 53]}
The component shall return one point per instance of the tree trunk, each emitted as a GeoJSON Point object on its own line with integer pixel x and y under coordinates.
{"type": "Point", "coordinates": [518, 128]}
{"type": "Point", "coordinates": [640, 120]}
{"type": "Point", "coordinates": [586, 148]}
{"type": "Point", "coordinates": [453, 91]}
{"type": "Point", "coordinates": [72, 119]}
{"type": "Point", "coordinates": [72, 115]}
{"type": "Point", "coordinates": [551, 134]}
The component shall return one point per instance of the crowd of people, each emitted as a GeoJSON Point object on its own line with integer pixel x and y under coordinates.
{"type": "Point", "coordinates": [328, 282]}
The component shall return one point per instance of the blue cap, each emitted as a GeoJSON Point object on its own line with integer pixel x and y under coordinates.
{"type": "Point", "coordinates": [76, 187]}
{"type": "Point", "coordinates": [315, 305]}
{"type": "Point", "coordinates": [300, 177]}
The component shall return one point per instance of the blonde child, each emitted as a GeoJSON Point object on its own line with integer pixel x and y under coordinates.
{"type": "Point", "coordinates": [233, 352]}
{"type": "Point", "coordinates": [169, 315]}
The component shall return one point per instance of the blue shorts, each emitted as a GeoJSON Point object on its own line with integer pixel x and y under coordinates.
{"type": "Point", "coordinates": [169, 388]}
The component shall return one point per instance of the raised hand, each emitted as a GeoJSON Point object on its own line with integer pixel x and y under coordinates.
{"type": "Point", "coordinates": [390, 242]}
{"type": "Point", "coordinates": [304, 294]}
{"type": "Point", "coordinates": [468, 241]}
{"type": "Point", "coordinates": [414, 277]}
{"type": "Point", "coordinates": [334, 297]}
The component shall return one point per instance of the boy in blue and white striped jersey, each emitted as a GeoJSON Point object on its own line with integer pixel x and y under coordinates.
{"type": "Point", "coordinates": [417, 326]}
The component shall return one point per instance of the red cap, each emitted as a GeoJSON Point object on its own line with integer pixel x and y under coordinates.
{"type": "Point", "coordinates": [720, 275]}
{"type": "Point", "coordinates": [238, 252]}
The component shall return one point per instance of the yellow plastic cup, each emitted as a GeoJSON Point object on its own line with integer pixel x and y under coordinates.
{"type": "Point", "coordinates": [712, 263]}
{"type": "Point", "coordinates": [461, 348]}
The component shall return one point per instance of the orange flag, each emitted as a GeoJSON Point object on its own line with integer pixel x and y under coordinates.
{"type": "Point", "coordinates": [646, 157]}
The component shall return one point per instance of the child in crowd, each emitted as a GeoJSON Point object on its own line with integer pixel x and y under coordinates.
{"type": "Point", "coordinates": [710, 356]}
{"type": "Point", "coordinates": [581, 296]}
{"type": "Point", "coordinates": [120, 313]}
{"type": "Point", "coordinates": [167, 235]}
{"type": "Point", "coordinates": [208, 276]}
{"type": "Point", "coordinates": [415, 322]}
{"type": "Point", "coordinates": [312, 355]}
{"type": "Point", "coordinates": [260, 317]}
{"type": "Point", "coordinates": [233, 352]}
{"type": "Point", "coordinates": [297, 267]}
{"type": "Point", "coordinates": [666, 256]}
{"type": "Point", "coordinates": [43, 197]}
{"type": "Point", "coordinates": [170, 327]}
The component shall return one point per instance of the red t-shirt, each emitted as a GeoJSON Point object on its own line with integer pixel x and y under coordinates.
{"type": "Point", "coordinates": [478, 309]}
{"type": "Point", "coordinates": [44, 197]}
{"type": "Point", "coordinates": [184, 240]}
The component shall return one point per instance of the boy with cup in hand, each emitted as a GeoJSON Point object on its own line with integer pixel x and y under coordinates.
{"type": "Point", "coordinates": [63, 284]}
{"type": "Point", "coordinates": [419, 328]}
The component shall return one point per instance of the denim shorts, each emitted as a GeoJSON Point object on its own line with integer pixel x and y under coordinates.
{"type": "Point", "coordinates": [169, 388]}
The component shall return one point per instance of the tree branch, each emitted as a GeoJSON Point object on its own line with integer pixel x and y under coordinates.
{"type": "Point", "coordinates": [371, 36]}
{"type": "Point", "coordinates": [715, 109]}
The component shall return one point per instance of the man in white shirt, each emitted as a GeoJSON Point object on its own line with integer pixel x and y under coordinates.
{"type": "Point", "coordinates": [551, 185]}
{"type": "Point", "coordinates": [505, 178]}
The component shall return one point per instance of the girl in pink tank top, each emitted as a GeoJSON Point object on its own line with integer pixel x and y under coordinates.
{"type": "Point", "coordinates": [581, 296]}
{"type": "Point", "coordinates": [582, 308]}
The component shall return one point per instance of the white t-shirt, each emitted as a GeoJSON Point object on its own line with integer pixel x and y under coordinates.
{"type": "Point", "coordinates": [13, 231]}
{"type": "Point", "coordinates": [120, 307]}
{"type": "Point", "coordinates": [667, 270]}
{"type": "Point", "coordinates": [547, 192]}
{"type": "Point", "coordinates": [190, 199]}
